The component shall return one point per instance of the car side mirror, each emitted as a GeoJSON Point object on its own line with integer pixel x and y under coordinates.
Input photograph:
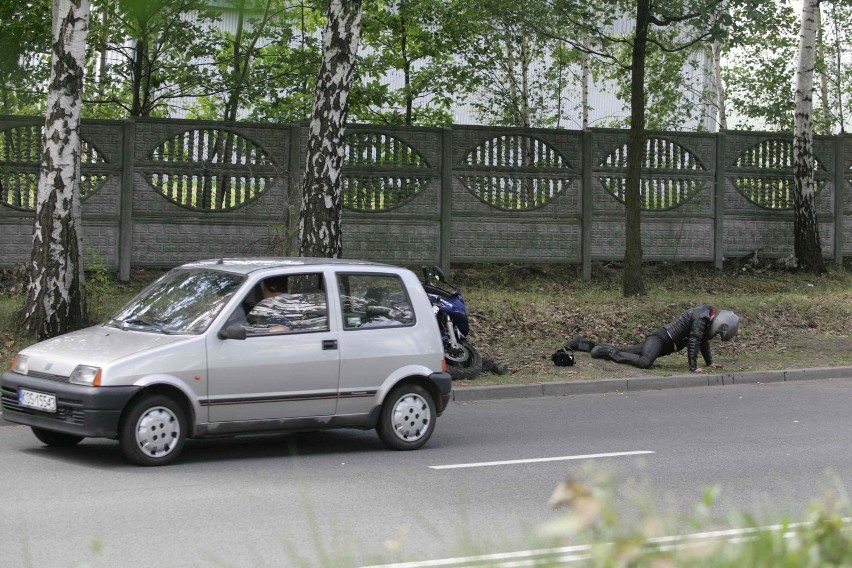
{"type": "Point", "coordinates": [233, 331]}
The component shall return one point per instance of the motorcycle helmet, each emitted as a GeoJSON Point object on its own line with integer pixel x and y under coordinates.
{"type": "Point", "coordinates": [724, 324]}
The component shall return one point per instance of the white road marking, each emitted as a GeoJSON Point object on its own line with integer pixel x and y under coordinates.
{"type": "Point", "coordinates": [540, 460]}
{"type": "Point", "coordinates": [579, 553]}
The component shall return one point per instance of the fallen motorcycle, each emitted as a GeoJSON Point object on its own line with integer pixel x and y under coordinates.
{"type": "Point", "coordinates": [463, 361]}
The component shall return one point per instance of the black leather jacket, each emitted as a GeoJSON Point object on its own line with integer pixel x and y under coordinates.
{"type": "Point", "coordinates": [691, 329]}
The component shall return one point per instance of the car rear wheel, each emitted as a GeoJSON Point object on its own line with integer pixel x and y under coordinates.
{"type": "Point", "coordinates": [153, 431]}
{"type": "Point", "coordinates": [408, 418]}
{"type": "Point", "coordinates": [56, 439]}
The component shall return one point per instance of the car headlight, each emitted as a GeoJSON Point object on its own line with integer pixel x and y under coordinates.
{"type": "Point", "coordinates": [85, 375]}
{"type": "Point", "coordinates": [21, 364]}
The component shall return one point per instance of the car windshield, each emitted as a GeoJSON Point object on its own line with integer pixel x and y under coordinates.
{"type": "Point", "coordinates": [181, 302]}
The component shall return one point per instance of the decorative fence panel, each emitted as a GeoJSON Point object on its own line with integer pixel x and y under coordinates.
{"type": "Point", "coordinates": [391, 194]}
{"type": "Point", "coordinates": [676, 191]}
{"type": "Point", "coordinates": [204, 189]}
{"type": "Point", "coordinates": [20, 162]}
{"type": "Point", "coordinates": [156, 193]}
{"type": "Point", "coordinates": [759, 192]}
{"type": "Point", "coordinates": [515, 195]}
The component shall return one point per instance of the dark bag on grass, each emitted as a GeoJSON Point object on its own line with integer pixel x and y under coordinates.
{"type": "Point", "coordinates": [564, 357]}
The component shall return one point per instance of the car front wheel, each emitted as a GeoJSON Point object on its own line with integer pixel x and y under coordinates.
{"type": "Point", "coordinates": [408, 418]}
{"type": "Point", "coordinates": [56, 439]}
{"type": "Point", "coordinates": [153, 431]}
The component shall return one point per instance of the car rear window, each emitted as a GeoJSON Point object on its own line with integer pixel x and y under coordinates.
{"type": "Point", "coordinates": [374, 301]}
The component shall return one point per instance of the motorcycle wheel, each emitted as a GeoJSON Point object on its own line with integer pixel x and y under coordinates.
{"type": "Point", "coordinates": [463, 363]}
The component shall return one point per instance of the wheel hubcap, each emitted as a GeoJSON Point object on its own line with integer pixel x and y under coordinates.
{"type": "Point", "coordinates": [157, 432]}
{"type": "Point", "coordinates": [458, 356]}
{"type": "Point", "coordinates": [411, 417]}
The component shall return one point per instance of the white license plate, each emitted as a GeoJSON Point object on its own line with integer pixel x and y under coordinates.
{"type": "Point", "coordinates": [37, 400]}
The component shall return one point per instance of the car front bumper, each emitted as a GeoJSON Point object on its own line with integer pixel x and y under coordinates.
{"type": "Point", "coordinates": [92, 412]}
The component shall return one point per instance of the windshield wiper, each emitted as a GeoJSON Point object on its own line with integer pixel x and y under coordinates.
{"type": "Point", "coordinates": [145, 323]}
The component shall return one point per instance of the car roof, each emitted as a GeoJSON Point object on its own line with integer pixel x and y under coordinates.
{"type": "Point", "coordinates": [252, 264]}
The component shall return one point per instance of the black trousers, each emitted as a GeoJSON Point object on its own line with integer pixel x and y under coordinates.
{"type": "Point", "coordinates": [643, 354]}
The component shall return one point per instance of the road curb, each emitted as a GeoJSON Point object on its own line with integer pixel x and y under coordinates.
{"type": "Point", "coordinates": [636, 384]}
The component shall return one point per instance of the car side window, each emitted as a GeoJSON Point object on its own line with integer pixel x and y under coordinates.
{"type": "Point", "coordinates": [374, 301]}
{"type": "Point", "coordinates": [295, 303]}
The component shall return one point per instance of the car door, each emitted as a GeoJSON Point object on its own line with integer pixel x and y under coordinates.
{"type": "Point", "coordinates": [378, 337]}
{"type": "Point", "coordinates": [289, 364]}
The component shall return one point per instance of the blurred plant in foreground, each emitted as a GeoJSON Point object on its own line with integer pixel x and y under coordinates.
{"type": "Point", "coordinates": [653, 541]}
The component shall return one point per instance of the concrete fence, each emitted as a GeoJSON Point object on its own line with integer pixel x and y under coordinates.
{"type": "Point", "coordinates": [160, 192]}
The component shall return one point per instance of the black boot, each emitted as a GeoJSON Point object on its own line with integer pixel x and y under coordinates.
{"type": "Point", "coordinates": [580, 343]}
{"type": "Point", "coordinates": [629, 359]}
{"type": "Point", "coordinates": [602, 352]}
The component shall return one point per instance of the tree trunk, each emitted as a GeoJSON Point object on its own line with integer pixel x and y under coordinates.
{"type": "Point", "coordinates": [56, 300]}
{"type": "Point", "coordinates": [584, 87]}
{"type": "Point", "coordinates": [632, 284]}
{"type": "Point", "coordinates": [510, 77]}
{"type": "Point", "coordinates": [526, 114]}
{"type": "Point", "coordinates": [838, 66]}
{"type": "Point", "coordinates": [824, 125]}
{"type": "Point", "coordinates": [319, 216]}
{"type": "Point", "coordinates": [805, 227]}
{"type": "Point", "coordinates": [716, 50]}
{"type": "Point", "coordinates": [137, 104]}
{"type": "Point", "coordinates": [406, 67]}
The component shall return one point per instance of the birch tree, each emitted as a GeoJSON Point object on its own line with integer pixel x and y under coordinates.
{"type": "Point", "coordinates": [56, 301]}
{"type": "Point", "coordinates": [805, 227]}
{"type": "Point", "coordinates": [319, 215]}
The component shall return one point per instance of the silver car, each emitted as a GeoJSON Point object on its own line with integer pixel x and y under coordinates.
{"type": "Point", "coordinates": [230, 346]}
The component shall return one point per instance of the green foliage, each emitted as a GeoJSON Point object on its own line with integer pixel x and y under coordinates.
{"type": "Point", "coordinates": [675, 85]}
{"type": "Point", "coordinates": [280, 86]}
{"type": "Point", "coordinates": [512, 63]}
{"type": "Point", "coordinates": [266, 64]}
{"type": "Point", "coordinates": [759, 80]}
{"type": "Point", "coordinates": [144, 57]}
{"type": "Point", "coordinates": [410, 40]}
{"type": "Point", "coordinates": [518, 73]}
{"type": "Point", "coordinates": [24, 55]}
{"type": "Point", "coordinates": [97, 285]}
{"type": "Point", "coordinates": [834, 65]}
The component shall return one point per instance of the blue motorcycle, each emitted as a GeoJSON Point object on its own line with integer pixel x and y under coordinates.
{"type": "Point", "coordinates": [463, 361]}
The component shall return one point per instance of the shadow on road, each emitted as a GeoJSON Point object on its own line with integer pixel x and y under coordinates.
{"type": "Point", "coordinates": [99, 453]}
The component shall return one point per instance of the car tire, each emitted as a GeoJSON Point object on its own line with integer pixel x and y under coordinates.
{"type": "Point", "coordinates": [56, 439]}
{"type": "Point", "coordinates": [153, 431]}
{"type": "Point", "coordinates": [408, 418]}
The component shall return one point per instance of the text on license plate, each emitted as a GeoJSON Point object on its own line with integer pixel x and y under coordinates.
{"type": "Point", "coordinates": [37, 400]}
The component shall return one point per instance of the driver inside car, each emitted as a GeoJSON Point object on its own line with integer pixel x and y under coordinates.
{"type": "Point", "coordinates": [269, 314]}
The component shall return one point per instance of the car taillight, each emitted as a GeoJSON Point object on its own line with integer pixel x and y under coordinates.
{"type": "Point", "coordinates": [443, 365]}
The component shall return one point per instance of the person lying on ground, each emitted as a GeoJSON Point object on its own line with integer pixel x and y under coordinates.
{"type": "Point", "coordinates": [692, 329]}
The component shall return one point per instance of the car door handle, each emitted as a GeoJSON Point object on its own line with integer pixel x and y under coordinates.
{"type": "Point", "coordinates": [329, 344]}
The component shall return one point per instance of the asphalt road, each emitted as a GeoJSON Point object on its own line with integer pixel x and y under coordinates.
{"type": "Point", "coordinates": [340, 498]}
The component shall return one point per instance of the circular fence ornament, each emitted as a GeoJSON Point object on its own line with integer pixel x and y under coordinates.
{"type": "Point", "coordinates": [515, 172]}
{"type": "Point", "coordinates": [763, 174]}
{"type": "Point", "coordinates": [380, 172]}
{"type": "Point", "coordinates": [671, 174]}
{"type": "Point", "coordinates": [210, 169]}
{"type": "Point", "coordinates": [20, 166]}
